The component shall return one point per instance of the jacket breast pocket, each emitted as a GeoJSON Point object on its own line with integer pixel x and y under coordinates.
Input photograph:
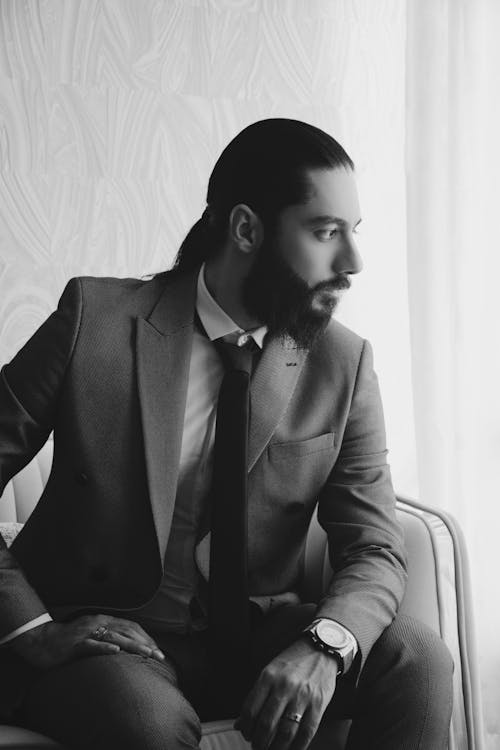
{"type": "Point", "coordinates": [296, 471]}
{"type": "Point", "coordinates": [284, 451]}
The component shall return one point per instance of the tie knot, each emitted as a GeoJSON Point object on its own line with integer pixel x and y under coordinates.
{"type": "Point", "coordinates": [237, 357]}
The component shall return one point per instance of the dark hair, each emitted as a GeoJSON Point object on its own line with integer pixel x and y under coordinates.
{"type": "Point", "coordinates": [264, 167]}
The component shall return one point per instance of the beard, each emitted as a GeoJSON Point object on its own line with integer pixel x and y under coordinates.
{"type": "Point", "coordinates": [281, 299]}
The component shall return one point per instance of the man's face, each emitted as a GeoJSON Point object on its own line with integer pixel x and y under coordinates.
{"type": "Point", "coordinates": [297, 277]}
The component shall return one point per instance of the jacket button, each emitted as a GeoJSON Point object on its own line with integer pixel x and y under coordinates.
{"type": "Point", "coordinates": [81, 478]}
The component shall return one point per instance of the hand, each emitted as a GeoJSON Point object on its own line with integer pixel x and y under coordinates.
{"type": "Point", "coordinates": [301, 680]}
{"type": "Point", "coordinates": [55, 643]}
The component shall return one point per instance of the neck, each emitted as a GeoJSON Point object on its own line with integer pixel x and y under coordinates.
{"type": "Point", "coordinates": [224, 280]}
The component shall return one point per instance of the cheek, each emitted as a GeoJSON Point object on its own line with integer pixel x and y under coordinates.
{"type": "Point", "coordinates": [298, 251]}
{"type": "Point", "coordinates": [309, 259]}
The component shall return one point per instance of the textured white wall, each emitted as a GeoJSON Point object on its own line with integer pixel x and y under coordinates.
{"type": "Point", "coordinates": [112, 113]}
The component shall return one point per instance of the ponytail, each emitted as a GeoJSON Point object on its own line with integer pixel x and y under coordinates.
{"type": "Point", "coordinates": [197, 245]}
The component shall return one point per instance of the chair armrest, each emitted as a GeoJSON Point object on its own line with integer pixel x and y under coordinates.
{"type": "Point", "coordinates": [456, 619]}
{"type": "Point", "coordinates": [438, 593]}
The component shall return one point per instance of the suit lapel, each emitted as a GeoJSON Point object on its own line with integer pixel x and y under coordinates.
{"type": "Point", "coordinates": [164, 342]}
{"type": "Point", "coordinates": [272, 386]}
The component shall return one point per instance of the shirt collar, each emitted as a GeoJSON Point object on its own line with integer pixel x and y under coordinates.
{"type": "Point", "coordinates": [217, 323]}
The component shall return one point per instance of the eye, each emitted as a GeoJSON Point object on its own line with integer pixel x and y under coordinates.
{"type": "Point", "coordinates": [326, 234]}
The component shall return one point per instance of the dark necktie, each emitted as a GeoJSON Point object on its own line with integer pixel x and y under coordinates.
{"type": "Point", "coordinates": [228, 585]}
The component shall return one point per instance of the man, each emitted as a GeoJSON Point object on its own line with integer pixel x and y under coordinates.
{"type": "Point", "coordinates": [130, 606]}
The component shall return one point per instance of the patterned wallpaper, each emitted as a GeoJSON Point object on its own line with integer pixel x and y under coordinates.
{"type": "Point", "coordinates": [112, 113]}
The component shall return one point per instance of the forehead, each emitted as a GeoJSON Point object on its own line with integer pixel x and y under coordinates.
{"type": "Point", "coordinates": [333, 193]}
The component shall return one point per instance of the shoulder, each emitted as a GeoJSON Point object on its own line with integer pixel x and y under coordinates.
{"type": "Point", "coordinates": [339, 344]}
{"type": "Point", "coordinates": [342, 359]}
{"type": "Point", "coordinates": [340, 336]}
{"type": "Point", "coordinates": [112, 295]}
{"type": "Point", "coordinates": [104, 287]}
{"type": "Point", "coordinates": [339, 355]}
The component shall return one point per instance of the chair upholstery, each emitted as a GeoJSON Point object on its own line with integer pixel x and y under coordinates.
{"type": "Point", "coordinates": [438, 594]}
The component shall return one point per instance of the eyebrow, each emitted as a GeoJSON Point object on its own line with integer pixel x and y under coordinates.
{"type": "Point", "coordinates": [327, 219]}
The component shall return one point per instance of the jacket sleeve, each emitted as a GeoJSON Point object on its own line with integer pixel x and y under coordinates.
{"type": "Point", "coordinates": [357, 510]}
{"type": "Point", "coordinates": [29, 388]}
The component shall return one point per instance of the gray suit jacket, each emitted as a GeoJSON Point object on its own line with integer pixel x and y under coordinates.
{"type": "Point", "coordinates": [108, 373]}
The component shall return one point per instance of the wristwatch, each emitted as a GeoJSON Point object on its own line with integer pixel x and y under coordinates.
{"type": "Point", "coordinates": [330, 637]}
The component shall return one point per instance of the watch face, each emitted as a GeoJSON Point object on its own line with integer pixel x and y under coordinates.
{"type": "Point", "coordinates": [331, 634]}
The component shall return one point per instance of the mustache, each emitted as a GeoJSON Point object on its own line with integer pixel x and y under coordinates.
{"type": "Point", "coordinates": [340, 282]}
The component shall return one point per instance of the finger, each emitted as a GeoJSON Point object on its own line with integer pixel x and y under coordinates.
{"type": "Point", "coordinates": [130, 626]}
{"type": "Point", "coordinates": [306, 729]}
{"type": "Point", "coordinates": [252, 707]}
{"type": "Point", "coordinates": [142, 638]}
{"type": "Point", "coordinates": [156, 653]}
{"type": "Point", "coordinates": [149, 644]}
{"type": "Point", "coordinates": [88, 646]}
{"type": "Point", "coordinates": [131, 645]}
{"type": "Point", "coordinates": [285, 734]}
{"type": "Point", "coordinates": [268, 721]}
{"type": "Point", "coordinates": [133, 630]}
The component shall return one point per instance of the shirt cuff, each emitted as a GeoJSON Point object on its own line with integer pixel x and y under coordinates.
{"type": "Point", "coordinates": [24, 628]}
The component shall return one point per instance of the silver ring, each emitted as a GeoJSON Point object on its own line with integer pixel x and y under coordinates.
{"type": "Point", "coordinates": [294, 717]}
{"type": "Point", "coordinates": [99, 633]}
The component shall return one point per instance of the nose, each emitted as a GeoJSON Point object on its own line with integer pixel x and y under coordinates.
{"type": "Point", "coordinates": [348, 259]}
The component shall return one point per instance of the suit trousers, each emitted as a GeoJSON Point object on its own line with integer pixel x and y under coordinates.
{"type": "Point", "coordinates": [401, 701]}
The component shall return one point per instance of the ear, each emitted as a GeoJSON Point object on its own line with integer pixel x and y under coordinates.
{"type": "Point", "coordinates": [245, 228]}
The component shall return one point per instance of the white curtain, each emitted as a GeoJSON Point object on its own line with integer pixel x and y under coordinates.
{"type": "Point", "coordinates": [453, 208]}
